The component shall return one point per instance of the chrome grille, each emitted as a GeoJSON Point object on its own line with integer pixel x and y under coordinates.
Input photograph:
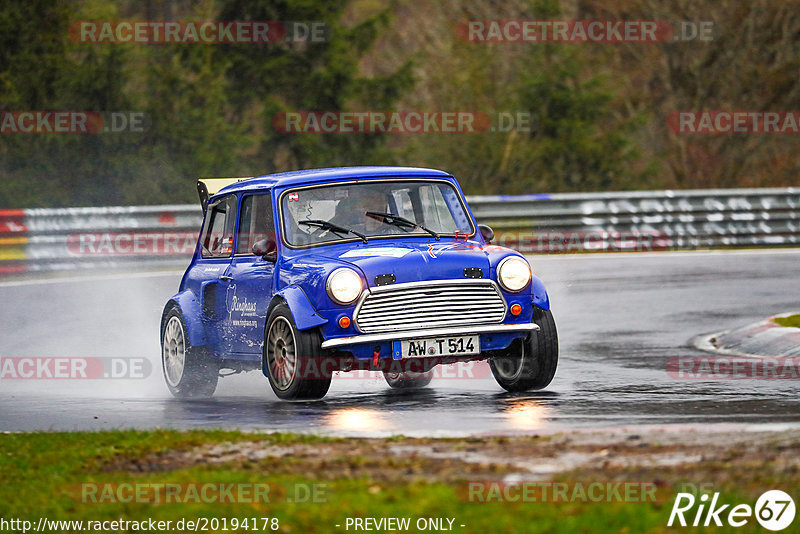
{"type": "Point", "coordinates": [429, 305]}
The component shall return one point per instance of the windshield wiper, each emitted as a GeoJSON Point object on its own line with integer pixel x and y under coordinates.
{"type": "Point", "coordinates": [335, 228]}
{"type": "Point", "coordinates": [402, 222]}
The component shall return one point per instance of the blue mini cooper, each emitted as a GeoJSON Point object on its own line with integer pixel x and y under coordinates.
{"type": "Point", "coordinates": [305, 273]}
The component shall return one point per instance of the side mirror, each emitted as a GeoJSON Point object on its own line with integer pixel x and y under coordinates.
{"type": "Point", "coordinates": [486, 232]}
{"type": "Point", "coordinates": [267, 249]}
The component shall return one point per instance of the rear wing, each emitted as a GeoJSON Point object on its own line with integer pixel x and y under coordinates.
{"type": "Point", "coordinates": [207, 187]}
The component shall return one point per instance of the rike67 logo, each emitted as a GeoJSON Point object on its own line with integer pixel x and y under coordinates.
{"type": "Point", "coordinates": [774, 510]}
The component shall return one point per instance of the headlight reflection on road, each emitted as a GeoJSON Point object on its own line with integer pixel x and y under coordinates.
{"type": "Point", "coordinates": [525, 414]}
{"type": "Point", "coordinates": [356, 419]}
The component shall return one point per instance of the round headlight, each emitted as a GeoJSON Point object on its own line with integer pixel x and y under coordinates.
{"type": "Point", "coordinates": [514, 273]}
{"type": "Point", "coordinates": [344, 285]}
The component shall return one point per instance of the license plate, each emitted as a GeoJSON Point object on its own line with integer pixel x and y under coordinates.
{"type": "Point", "coordinates": [436, 346]}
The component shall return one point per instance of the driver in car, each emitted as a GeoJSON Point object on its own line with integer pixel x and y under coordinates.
{"type": "Point", "coordinates": [351, 212]}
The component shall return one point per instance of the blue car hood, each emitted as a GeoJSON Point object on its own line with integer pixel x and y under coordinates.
{"type": "Point", "coordinates": [411, 262]}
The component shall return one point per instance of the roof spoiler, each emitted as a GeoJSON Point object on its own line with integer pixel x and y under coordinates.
{"type": "Point", "coordinates": [207, 187]}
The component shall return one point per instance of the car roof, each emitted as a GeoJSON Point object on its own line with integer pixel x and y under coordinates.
{"type": "Point", "coordinates": [315, 176]}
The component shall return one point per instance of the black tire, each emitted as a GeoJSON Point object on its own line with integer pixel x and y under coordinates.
{"type": "Point", "coordinates": [188, 371]}
{"type": "Point", "coordinates": [293, 358]}
{"type": "Point", "coordinates": [529, 364]}
{"type": "Point", "coordinates": [407, 379]}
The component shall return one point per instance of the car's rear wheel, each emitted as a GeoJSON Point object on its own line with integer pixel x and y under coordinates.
{"type": "Point", "coordinates": [407, 379]}
{"type": "Point", "coordinates": [294, 359]}
{"type": "Point", "coordinates": [188, 371]}
{"type": "Point", "coordinates": [529, 364]}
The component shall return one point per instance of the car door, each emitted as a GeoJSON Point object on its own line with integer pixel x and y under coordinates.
{"type": "Point", "coordinates": [249, 277]}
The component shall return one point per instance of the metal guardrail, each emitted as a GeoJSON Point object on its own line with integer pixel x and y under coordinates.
{"type": "Point", "coordinates": [119, 237]}
{"type": "Point", "coordinates": [635, 220]}
{"type": "Point", "coordinates": [109, 237]}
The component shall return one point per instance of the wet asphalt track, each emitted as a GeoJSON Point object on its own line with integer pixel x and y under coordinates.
{"type": "Point", "coordinates": [620, 319]}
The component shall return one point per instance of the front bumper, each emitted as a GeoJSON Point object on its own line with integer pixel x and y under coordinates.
{"type": "Point", "coordinates": [428, 332]}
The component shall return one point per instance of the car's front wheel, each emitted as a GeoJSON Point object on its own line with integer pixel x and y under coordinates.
{"type": "Point", "coordinates": [294, 360]}
{"type": "Point", "coordinates": [529, 364]}
{"type": "Point", "coordinates": [188, 371]}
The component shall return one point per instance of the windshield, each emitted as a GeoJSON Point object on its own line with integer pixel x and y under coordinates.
{"type": "Point", "coordinates": [322, 214]}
